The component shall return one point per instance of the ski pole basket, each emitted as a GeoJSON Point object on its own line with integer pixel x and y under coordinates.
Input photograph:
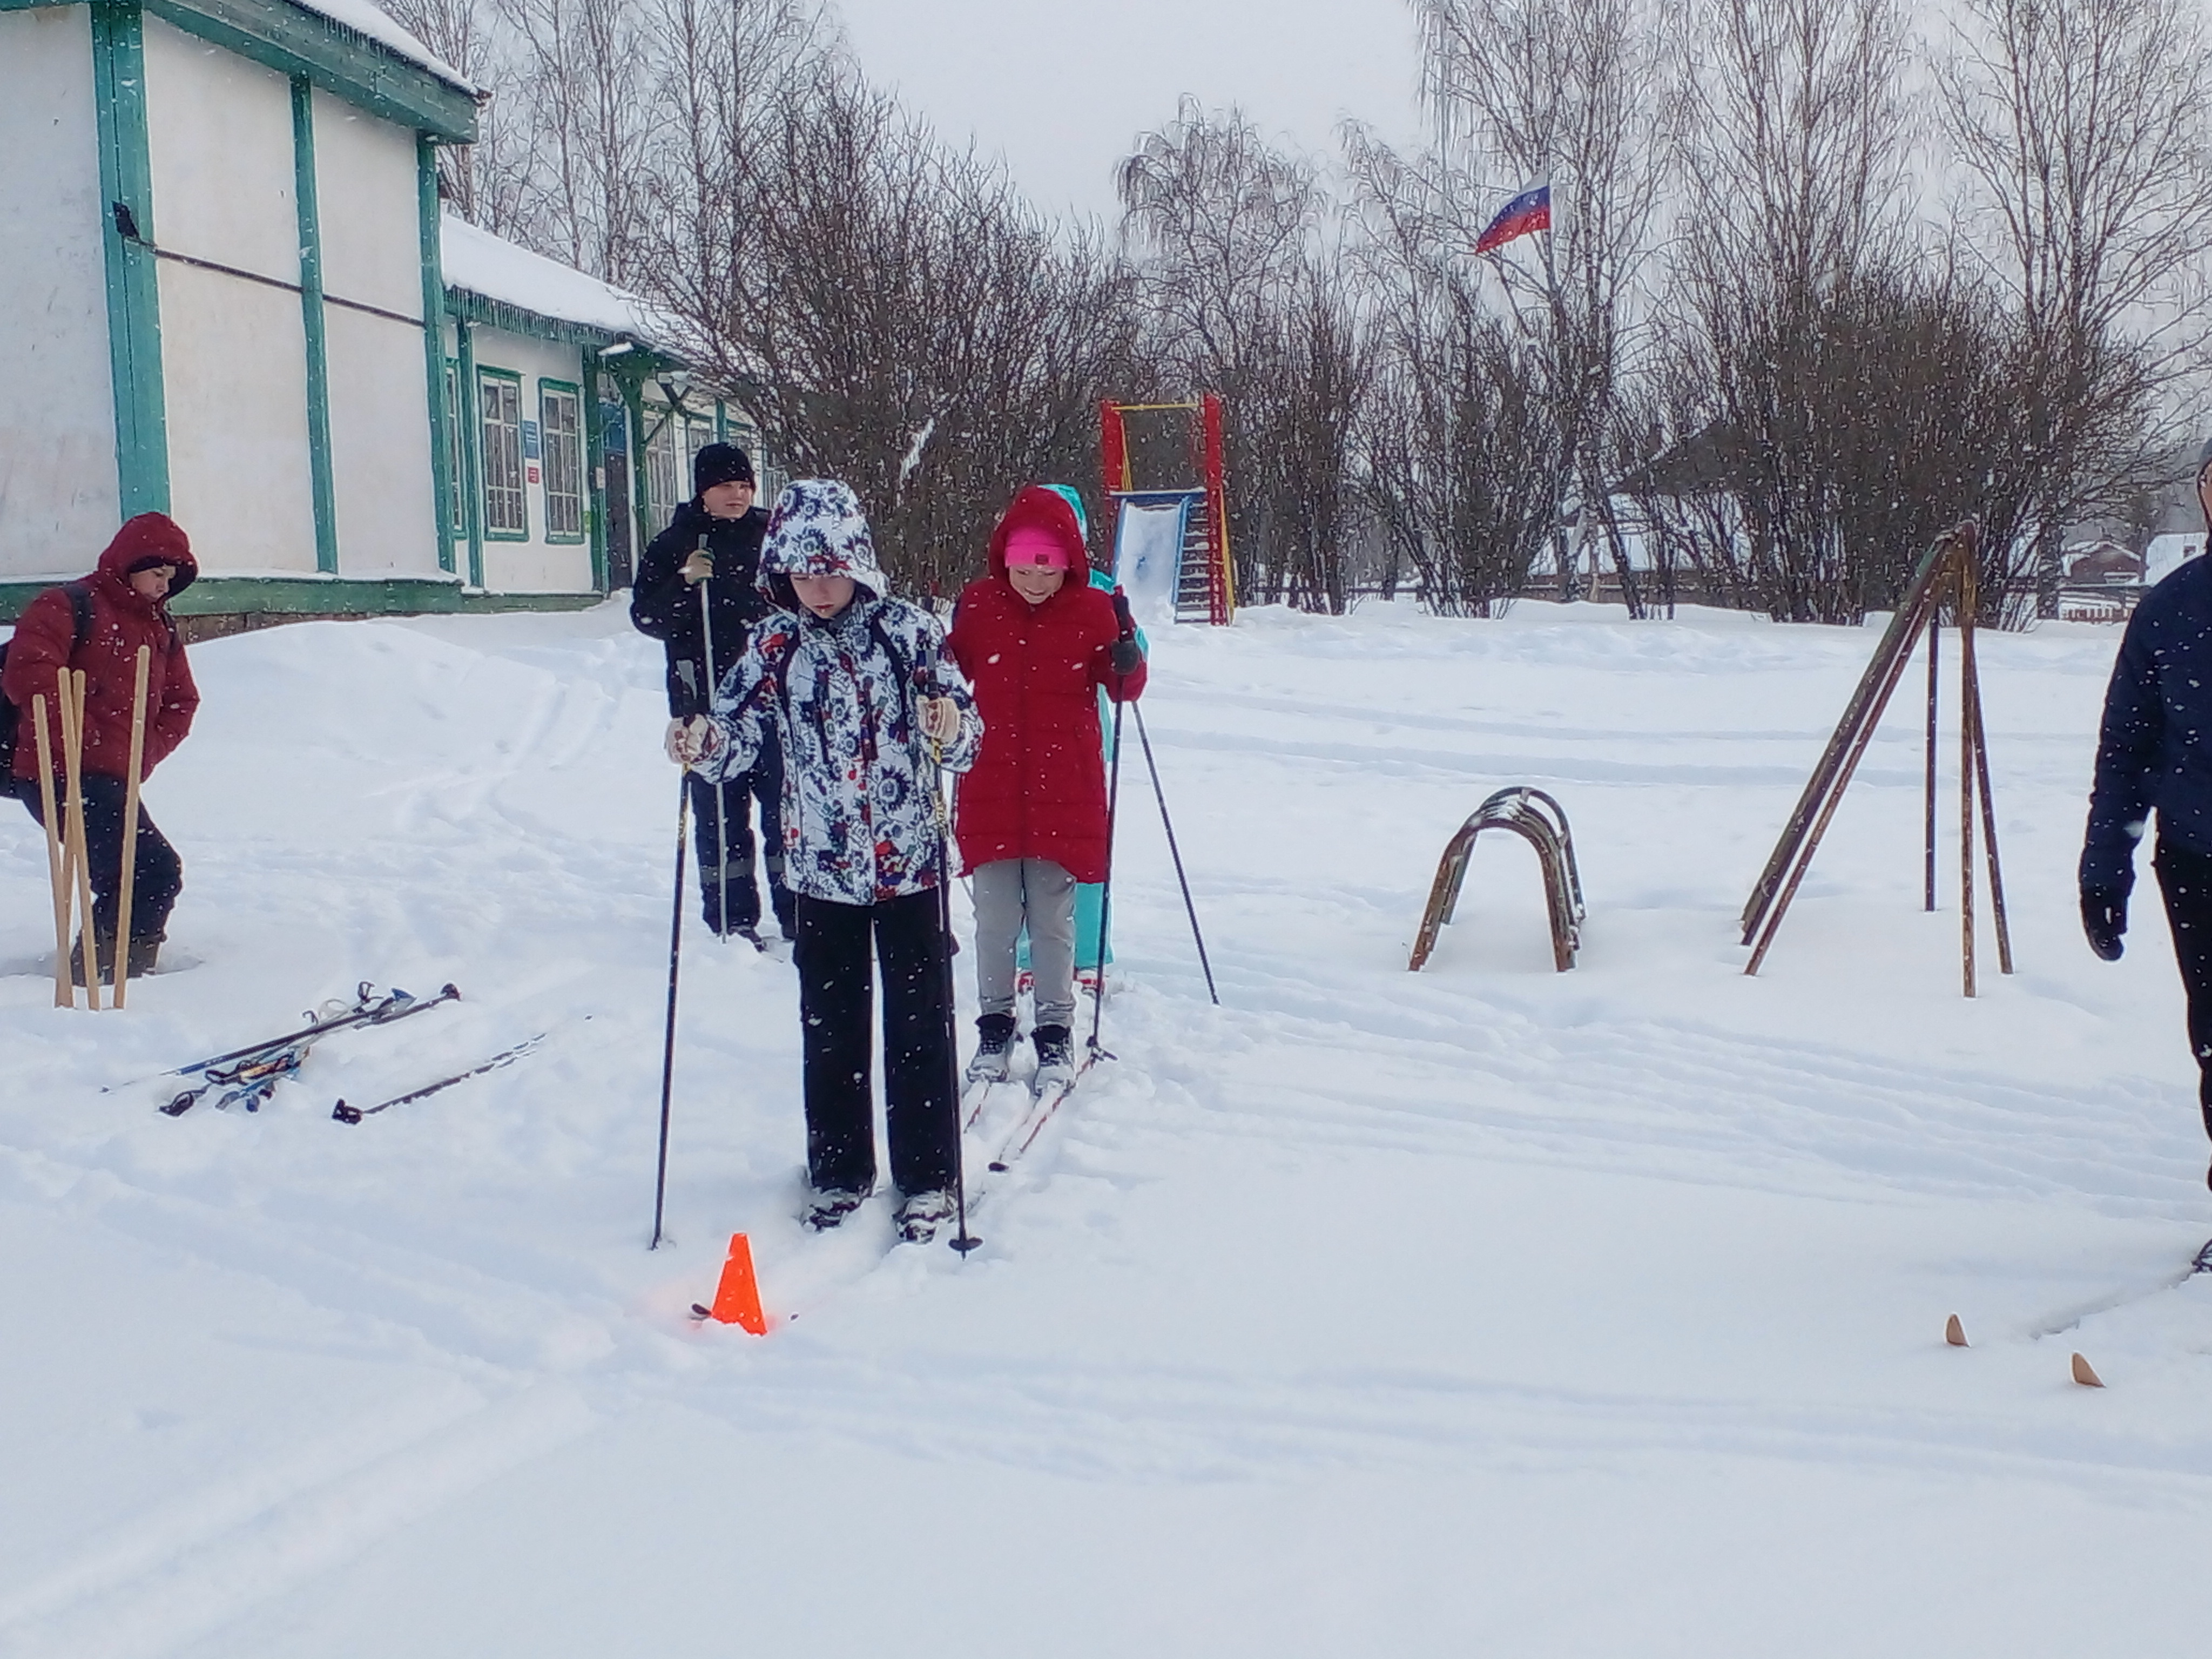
{"type": "Point", "coordinates": [1542, 823]}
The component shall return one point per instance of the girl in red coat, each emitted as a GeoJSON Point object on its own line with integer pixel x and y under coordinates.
{"type": "Point", "coordinates": [1036, 642]}
{"type": "Point", "coordinates": [97, 625]}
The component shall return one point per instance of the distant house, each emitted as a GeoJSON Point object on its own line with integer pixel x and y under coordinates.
{"type": "Point", "coordinates": [2104, 563]}
{"type": "Point", "coordinates": [228, 292]}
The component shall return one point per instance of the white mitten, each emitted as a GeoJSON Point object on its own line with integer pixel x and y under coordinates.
{"type": "Point", "coordinates": [691, 741]}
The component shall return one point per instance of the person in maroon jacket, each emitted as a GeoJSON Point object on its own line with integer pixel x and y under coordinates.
{"type": "Point", "coordinates": [122, 605]}
{"type": "Point", "coordinates": [1036, 642]}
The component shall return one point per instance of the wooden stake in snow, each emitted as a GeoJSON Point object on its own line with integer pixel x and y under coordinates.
{"type": "Point", "coordinates": [1954, 1333]}
{"type": "Point", "coordinates": [2085, 1376]}
{"type": "Point", "coordinates": [57, 859]}
{"type": "Point", "coordinates": [129, 874]}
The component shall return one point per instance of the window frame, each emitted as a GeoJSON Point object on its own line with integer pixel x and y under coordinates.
{"type": "Point", "coordinates": [487, 453]}
{"type": "Point", "coordinates": [456, 438]}
{"type": "Point", "coordinates": [549, 387]}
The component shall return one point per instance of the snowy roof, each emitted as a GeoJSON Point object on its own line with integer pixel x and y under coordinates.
{"type": "Point", "coordinates": [497, 269]}
{"type": "Point", "coordinates": [368, 18]}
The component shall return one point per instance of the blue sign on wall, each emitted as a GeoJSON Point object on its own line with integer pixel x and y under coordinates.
{"type": "Point", "coordinates": [531, 449]}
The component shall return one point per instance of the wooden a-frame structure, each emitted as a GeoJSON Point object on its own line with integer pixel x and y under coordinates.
{"type": "Point", "coordinates": [1948, 572]}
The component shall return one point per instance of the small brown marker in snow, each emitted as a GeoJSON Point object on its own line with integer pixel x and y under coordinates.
{"type": "Point", "coordinates": [2083, 1375]}
{"type": "Point", "coordinates": [1954, 1333]}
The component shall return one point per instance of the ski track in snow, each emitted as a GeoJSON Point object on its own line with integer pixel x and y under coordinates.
{"type": "Point", "coordinates": [1482, 1225]}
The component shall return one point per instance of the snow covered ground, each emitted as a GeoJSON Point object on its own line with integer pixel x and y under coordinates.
{"type": "Point", "coordinates": [1484, 1310]}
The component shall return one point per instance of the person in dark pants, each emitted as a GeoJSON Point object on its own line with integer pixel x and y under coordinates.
{"type": "Point", "coordinates": [712, 546]}
{"type": "Point", "coordinates": [97, 625]}
{"type": "Point", "coordinates": [833, 683]}
{"type": "Point", "coordinates": [2155, 753]}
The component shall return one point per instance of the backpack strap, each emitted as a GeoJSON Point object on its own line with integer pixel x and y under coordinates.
{"type": "Point", "coordinates": [79, 595]}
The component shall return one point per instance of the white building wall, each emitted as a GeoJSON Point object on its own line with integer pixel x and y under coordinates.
{"type": "Point", "coordinates": [58, 484]}
{"type": "Point", "coordinates": [371, 216]}
{"type": "Point", "coordinates": [535, 565]}
{"type": "Point", "coordinates": [220, 131]}
{"type": "Point", "coordinates": [234, 351]}
{"type": "Point", "coordinates": [371, 239]}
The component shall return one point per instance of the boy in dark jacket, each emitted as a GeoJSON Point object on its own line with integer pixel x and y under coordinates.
{"type": "Point", "coordinates": [853, 687]}
{"type": "Point", "coordinates": [125, 604]}
{"type": "Point", "coordinates": [2154, 752]}
{"type": "Point", "coordinates": [711, 552]}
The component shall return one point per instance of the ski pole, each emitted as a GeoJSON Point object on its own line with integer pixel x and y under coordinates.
{"type": "Point", "coordinates": [1129, 631]}
{"type": "Point", "coordinates": [962, 1240]}
{"type": "Point", "coordinates": [1176, 852]}
{"type": "Point", "coordinates": [721, 824]}
{"type": "Point", "coordinates": [668, 1041]}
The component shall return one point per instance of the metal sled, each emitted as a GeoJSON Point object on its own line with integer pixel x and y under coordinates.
{"type": "Point", "coordinates": [1542, 823]}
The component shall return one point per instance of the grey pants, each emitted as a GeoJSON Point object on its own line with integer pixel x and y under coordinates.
{"type": "Point", "coordinates": [1038, 891]}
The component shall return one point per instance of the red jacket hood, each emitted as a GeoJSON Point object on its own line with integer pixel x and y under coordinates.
{"type": "Point", "coordinates": [150, 539]}
{"type": "Point", "coordinates": [1039, 508]}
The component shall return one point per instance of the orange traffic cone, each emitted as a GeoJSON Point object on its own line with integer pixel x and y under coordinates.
{"type": "Point", "coordinates": [737, 1298]}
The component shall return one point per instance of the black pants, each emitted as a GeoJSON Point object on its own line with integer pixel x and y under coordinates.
{"type": "Point", "coordinates": [725, 873]}
{"type": "Point", "coordinates": [2185, 879]}
{"type": "Point", "coordinates": [160, 874]}
{"type": "Point", "coordinates": [834, 1005]}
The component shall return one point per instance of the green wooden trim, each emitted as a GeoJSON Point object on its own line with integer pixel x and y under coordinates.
{"type": "Point", "coordinates": [472, 461]}
{"type": "Point", "coordinates": [434, 345]}
{"type": "Point", "coordinates": [322, 482]}
{"type": "Point", "coordinates": [343, 61]}
{"type": "Point", "coordinates": [595, 471]}
{"type": "Point", "coordinates": [134, 295]}
{"type": "Point", "coordinates": [547, 383]}
{"type": "Point", "coordinates": [325, 596]}
{"type": "Point", "coordinates": [641, 493]}
{"type": "Point", "coordinates": [485, 372]}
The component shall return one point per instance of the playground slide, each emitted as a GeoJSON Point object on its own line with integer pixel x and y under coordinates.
{"type": "Point", "coordinates": [1147, 557]}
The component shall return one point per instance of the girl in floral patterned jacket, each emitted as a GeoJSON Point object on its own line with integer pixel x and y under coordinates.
{"type": "Point", "coordinates": [855, 688]}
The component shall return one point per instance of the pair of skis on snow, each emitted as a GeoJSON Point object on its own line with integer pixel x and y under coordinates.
{"type": "Point", "coordinates": [1042, 1103]}
{"type": "Point", "coordinates": [248, 1076]}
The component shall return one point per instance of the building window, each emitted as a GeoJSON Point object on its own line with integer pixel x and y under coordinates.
{"type": "Point", "coordinates": [560, 414]}
{"type": "Point", "coordinates": [457, 479]}
{"type": "Point", "coordinates": [499, 397]}
{"type": "Point", "coordinates": [663, 467]}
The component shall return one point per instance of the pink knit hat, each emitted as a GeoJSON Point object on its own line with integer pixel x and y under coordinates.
{"type": "Point", "coordinates": [1033, 546]}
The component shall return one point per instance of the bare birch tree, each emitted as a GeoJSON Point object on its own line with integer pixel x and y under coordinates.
{"type": "Point", "coordinates": [2080, 125]}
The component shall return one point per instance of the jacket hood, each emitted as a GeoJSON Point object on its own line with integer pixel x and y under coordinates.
{"type": "Point", "coordinates": [817, 529]}
{"type": "Point", "coordinates": [149, 539]}
{"type": "Point", "coordinates": [1041, 507]}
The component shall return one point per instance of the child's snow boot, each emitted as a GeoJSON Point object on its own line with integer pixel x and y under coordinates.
{"type": "Point", "coordinates": [994, 1042]}
{"type": "Point", "coordinates": [923, 1213]}
{"type": "Point", "coordinates": [828, 1205]}
{"type": "Point", "coordinates": [1055, 1053]}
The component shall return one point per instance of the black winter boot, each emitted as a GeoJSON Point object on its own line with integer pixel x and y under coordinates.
{"type": "Point", "coordinates": [994, 1041]}
{"type": "Point", "coordinates": [103, 945]}
{"type": "Point", "coordinates": [1055, 1053]}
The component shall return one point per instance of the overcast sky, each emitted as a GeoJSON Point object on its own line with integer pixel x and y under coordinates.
{"type": "Point", "coordinates": [1060, 88]}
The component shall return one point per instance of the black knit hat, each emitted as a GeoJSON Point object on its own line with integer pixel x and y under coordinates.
{"type": "Point", "coordinates": [720, 463]}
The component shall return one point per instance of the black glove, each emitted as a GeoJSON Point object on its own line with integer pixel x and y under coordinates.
{"type": "Point", "coordinates": [2104, 919]}
{"type": "Point", "coordinates": [1128, 655]}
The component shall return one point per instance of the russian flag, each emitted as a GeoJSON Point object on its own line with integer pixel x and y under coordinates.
{"type": "Point", "coordinates": [1530, 210]}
